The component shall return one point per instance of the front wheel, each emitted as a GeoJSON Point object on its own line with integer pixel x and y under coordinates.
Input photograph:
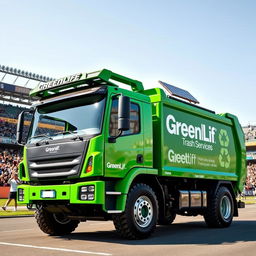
{"type": "Point", "coordinates": [141, 213]}
{"type": "Point", "coordinates": [55, 223]}
{"type": "Point", "coordinates": [220, 210]}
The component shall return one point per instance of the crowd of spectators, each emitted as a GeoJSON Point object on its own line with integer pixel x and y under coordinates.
{"type": "Point", "coordinates": [10, 111]}
{"type": "Point", "coordinates": [7, 124]}
{"type": "Point", "coordinates": [7, 130]}
{"type": "Point", "coordinates": [9, 161]}
{"type": "Point", "coordinates": [250, 132]}
{"type": "Point", "coordinates": [250, 136]}
{"type": "Point", "coordinates": [250, 185]}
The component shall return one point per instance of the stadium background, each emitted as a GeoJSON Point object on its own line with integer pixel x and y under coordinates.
{"type": "Point", "coordinates": [15, 85]}
{"type": "Point", "coordinates": [14, 98]}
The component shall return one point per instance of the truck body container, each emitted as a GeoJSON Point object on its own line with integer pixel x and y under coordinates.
{"type": "Point", "coordinates": [193, 142]}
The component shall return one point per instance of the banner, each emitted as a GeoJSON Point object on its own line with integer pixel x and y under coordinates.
{"type": "Point", "coordinates": [41, 125]}
{"type": "Point", "coordinates": [14, 88]}
{"type": "Point", "coordinates": [4, 192]}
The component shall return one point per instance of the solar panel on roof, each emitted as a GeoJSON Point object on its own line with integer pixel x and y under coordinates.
{"type": "Point", "coordinates": [178, 92]}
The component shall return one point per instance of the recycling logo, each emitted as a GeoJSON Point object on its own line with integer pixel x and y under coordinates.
{"type": "Point", "coordinates": [224, 157]}
{"type": "Point", "coordinates": [223, 138]}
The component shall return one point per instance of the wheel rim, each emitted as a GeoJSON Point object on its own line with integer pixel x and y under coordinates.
{"type": "Point", "coordinates": [61, 218]}
{"type": "Point", "coordinates": [143, 211]}
{"type": "Point", "coordinates": [225, 207]}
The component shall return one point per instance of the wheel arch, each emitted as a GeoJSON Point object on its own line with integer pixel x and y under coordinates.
{"type": "Point", "coordinates": [230, 187]}
{"type": "Point", "coordinates": [139, 175]}
{"type": "Point", "coordinates": [154, 183]}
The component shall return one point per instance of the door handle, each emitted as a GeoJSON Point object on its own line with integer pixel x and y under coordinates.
{"type": "Point", "coordinates": [139, 159]}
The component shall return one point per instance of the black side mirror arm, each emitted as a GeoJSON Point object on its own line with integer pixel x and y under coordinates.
{"type": "Point", "coordinates": [113, 138]}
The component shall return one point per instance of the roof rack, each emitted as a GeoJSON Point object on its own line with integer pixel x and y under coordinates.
{"type": "Point", "coordinates": [102, 77]}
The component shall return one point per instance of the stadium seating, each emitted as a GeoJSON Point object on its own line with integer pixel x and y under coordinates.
{"type": "Point", "coordinates": [250, 139]}
{"type": "Point", "coordinates": [8, 123]}
{"type": "Point", "coordinates": [10, 111]}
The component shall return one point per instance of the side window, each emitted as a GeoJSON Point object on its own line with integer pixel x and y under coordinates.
{"type": "Point", "coordinates": [134, 119]}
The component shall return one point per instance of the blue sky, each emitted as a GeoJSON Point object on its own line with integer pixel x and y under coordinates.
{"type": "Point", "coordinates": [206, 47]}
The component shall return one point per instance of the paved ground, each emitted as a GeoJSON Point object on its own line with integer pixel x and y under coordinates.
{"type": "Point", "coordinates": [11, 208]}
{"type": "Point", "coordinates": [188, 236]}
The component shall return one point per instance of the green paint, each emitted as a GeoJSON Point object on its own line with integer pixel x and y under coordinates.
{"type": "Point", "coordinates": [175, 139]}
{"type": "Point", "coordinates": [63, 192]}
{"type": "Point", "coordinates": [23, 167]}
{"type": "Point", "coordinates": [191, 141]}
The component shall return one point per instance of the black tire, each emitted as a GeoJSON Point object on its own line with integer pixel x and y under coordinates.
{"type": "Point", "coordinates": [139, 219]}
{"type": "Point", "coordinates": [167, 220]}
{"type": "Point", "coordinates": [220, 210]}
{"type": "Point", "coordinates": [54, 224]}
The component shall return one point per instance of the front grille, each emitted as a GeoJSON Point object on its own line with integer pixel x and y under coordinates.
{"type": "Point", "coordinates": [56, 170]}
{"type": "Point", "coordinates": [55, 167]}
{"type": "Point", "coordinates": [57, 160]}
{"type": "Point", "coordinates": [66, 162]}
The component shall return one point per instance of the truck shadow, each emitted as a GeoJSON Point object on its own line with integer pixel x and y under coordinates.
{"type": "Point", "coordinates": [195, 233]}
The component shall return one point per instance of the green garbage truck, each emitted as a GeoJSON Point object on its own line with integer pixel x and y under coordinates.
{"type": "Point", "coordinates": [95, 150]}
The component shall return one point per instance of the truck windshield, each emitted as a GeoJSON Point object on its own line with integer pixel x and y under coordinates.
{"type": "Point", "coordinates": [63, 119]}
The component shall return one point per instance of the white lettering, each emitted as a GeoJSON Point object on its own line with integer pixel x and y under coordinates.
{"type": "Point", "coordinates": [115, 166]}
{"type": "Point", "coordinates": [184, 130]}
{"type": "Point", "coordinates": [61, 81]}
{"type": "Point", "coordinates": [191, 131]}
{"type": "Point", "coordinates": [202, 132]}
{"type": "Point", "coordinates": [186, 158]}
{"type": "Point", "coordinates": [52, 149]}
{"type": "Point", "coordinates": [171, 129]}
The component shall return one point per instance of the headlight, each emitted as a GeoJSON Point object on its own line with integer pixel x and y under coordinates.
{"type": "Point", "coordinates": [91, 188]}
{"type": "Point", "coordinates": [89, 165]}
{"type": "Point", "coordinates": [21, 194]}
{"type": "Point", "coordinates": [84, 189]}
{"type": "Point", "coordinates": [84, 197]}
{"type": "Point", "coordinates": [87, 193]}
{"type": "Point", "coordinates": [90, 197]}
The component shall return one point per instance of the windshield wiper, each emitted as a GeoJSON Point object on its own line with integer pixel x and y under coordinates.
{"type": "Point", "coordinates": [45, 136]}
{"type": "Point", "coordinates": [64, 132]}
{"type": "Point", "coordinates": [72, 133]}
{"type": "Point", "coordinates": [41, 135]}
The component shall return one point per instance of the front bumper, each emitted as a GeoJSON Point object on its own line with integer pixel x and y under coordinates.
{"type": "Point", "coordinates": [70, 193]}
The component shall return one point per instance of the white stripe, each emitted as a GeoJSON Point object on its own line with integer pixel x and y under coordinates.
{"type": "Point", "coordinates": [14, 230]}
{"type": "Point", "coordinates": [55, 249]}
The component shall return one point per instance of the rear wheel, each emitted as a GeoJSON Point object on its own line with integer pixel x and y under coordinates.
{"type": "Point", "coordinates": [220, 210]}
{"type": "Point", "coordinates": [140, 216]}
{"type": "Point", "coordinates": [55, 223]}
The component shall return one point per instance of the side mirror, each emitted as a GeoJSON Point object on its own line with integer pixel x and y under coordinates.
{"type": "Point", "coordinates": [20, 138]}
{"type": "Point", "coordinates": [20, 127]}
{"type": "Point", "coordinates": [123, 117]}
{"type": "Point", "coordinates": [123, 113]}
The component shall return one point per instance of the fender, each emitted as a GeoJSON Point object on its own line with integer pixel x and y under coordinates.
{"type": "Point", "coordinates": [124, 184]}
{"type": "Point", "coordinates": [229, 185]}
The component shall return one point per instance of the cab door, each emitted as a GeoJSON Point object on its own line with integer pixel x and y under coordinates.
{"type": "Point", "coordinates": [127, 151]}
